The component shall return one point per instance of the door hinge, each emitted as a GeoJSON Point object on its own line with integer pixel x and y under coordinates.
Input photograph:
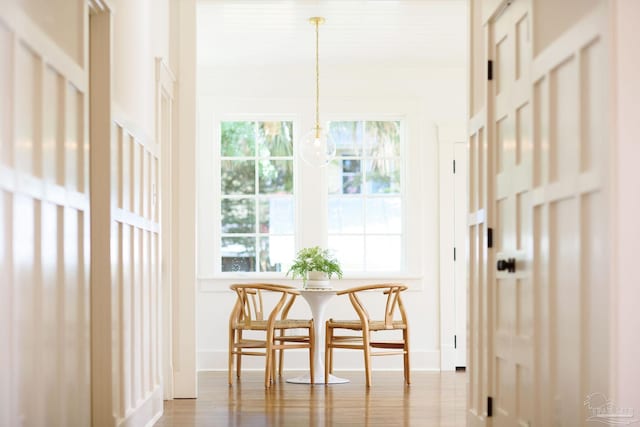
{"type": "Point", "coordinates": [490, 70]}
{"type": "Point", "coordinates": [454, 253]}
{"type": "Point", "coordinates": [454, 166]}
{"type": "Point", "coordinates": [489, 406]}
{"type": "Point", "coordinates": [489, 237]}
{"type": "Point", "coordinates": [455, 341]}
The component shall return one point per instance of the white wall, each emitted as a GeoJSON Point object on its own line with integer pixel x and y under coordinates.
{"type": "Point", "coordinates": [49, 14]}
{"type": "Point", "coordinates": [44, 220]}
{"type": "Point", "coordinates": [48, 366]}
{"type": "Point", "coordinates": [424, 95]}
{"type": "Point", "coordinates": [183, 62]}
{"type": "Point", "coordinates": [140, 34]}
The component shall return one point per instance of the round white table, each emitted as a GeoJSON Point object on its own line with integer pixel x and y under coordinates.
{"type": "Point", "coordinates": [318, 300]}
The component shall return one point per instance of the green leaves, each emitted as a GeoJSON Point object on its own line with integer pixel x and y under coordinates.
{"type": "Point", "coordinates": [237, 139]}
{"type": "Point", "coordinates": [314, 259]}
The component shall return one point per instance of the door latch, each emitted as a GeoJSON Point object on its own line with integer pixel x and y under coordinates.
{"type": "Point", "coordinates": [507, 264]}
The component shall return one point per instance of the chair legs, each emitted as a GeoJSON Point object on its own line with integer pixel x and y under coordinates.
{"type": "Point", "coordinates": [267, 372]}
{"type": "Point", "coordinates": [269, 353]}
{"type": "Point", "coordinates": [280, 356]}
{"type": "Point", "coordinates": [239, 358]}
{"type": "Point", "coordinates": [312, 345]}
{"type": "Point", "coordinates": [367, 350]}
{"type": "Point", "coordinates": [407, 370]}
{"type": "Point", "coordinates": [231, 342]}
{"type": "Point", "coordinates": [273, 363]}
{"type": "Point", "coordinates": [367, 356]}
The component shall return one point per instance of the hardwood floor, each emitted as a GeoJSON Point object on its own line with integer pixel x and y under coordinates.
{"type": "Point", "coordinates": [433, 399]}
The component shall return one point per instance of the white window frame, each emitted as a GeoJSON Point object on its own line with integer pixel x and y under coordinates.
{"type": "Point", "coordinates": [256, 196]}
{"type": "Point", "coordinates": [402, 194]}
{"type": "Point", "coordinates": [311, 229]}
{"type": "Point", "coordinates": [217, 195]}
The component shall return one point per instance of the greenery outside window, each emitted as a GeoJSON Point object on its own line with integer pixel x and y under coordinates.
{"type": "Point", "coordinates": [365, 196]}
{"type": "Point", "coordinates": [257, 202]}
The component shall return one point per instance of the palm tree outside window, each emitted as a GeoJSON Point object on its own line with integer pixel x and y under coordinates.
{"type": "Point", "coordinates": [257, 204]}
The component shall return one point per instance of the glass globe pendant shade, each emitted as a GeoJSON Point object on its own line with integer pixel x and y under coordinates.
{"type": "Point", "coordinates": [317, 148]}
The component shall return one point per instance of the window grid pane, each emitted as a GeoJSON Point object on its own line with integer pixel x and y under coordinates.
{"type": "Point", "coordinates": [257, 213]}
{"type": "Point", "coordinates": [365, 195]}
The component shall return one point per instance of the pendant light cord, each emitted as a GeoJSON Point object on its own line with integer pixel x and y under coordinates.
{"type": "Point", "coordinates": [317, 85]}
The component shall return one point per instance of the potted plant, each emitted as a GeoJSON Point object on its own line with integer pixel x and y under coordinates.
{"type": "Point", "coordinates": [315, 266]}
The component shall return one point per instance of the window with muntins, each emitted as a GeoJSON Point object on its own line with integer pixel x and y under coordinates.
{"type": "Point", "coordinates": [257, 223]}
{"type": "Point", "coordinates": [365, 195]}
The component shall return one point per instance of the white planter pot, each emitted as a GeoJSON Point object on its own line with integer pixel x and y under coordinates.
{"type": "Point", "coordinates": [318, 280]}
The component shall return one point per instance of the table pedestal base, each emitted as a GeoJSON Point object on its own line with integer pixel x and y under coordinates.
{"type": "Point", "coordinates": [306, 379]}
{"type": "Point", "coordinates": [317, 300]}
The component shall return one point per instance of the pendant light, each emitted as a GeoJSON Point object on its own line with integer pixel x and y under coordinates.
{"type": "Point", "coordinates": [316, 147]}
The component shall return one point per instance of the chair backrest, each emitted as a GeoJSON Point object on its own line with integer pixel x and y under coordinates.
{"type": "Point", "coordinates": [250, 305]}
{"type": "Point", "coordinates": [393, 301]}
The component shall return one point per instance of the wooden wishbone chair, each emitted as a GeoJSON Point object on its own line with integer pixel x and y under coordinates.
{"type": "Point", "coordinates": [261, 309]}
{"type": "Point", "coordinates": [367, 327]}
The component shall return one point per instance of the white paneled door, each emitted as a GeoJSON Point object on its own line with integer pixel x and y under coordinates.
{"type": "Point", "coordinates": [453, 247]}
{"type": "Point", "coordinates": [569, 212]}
{"type": "Point", "coordinates": [460, 237]}
{"type": "Point", "coordinates": [479, 163]}
{"type": "Point", "coordinates": [512, 329]}
{"type": "Point", "coordinates": [539, 313]}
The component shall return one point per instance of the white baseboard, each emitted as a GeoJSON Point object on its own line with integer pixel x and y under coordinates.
{"type": "Point", "coordinates": [146, 413]}
{"type": "Point", "coordinates": [344, 360]}
{"type": "Point", "coordinates": [155, 419]}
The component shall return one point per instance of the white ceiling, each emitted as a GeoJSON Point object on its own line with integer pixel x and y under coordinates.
{"type": "Point", "coordinates": [277, 32]}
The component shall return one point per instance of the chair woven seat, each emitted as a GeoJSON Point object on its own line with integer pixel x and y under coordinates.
{"type": "Point", "coordinates": [374, 325]}
{"type": "Point", "coordinates": [261, 325]}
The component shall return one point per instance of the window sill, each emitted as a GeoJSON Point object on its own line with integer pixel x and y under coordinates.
{"type": "Point", "coordinates": [220, 283]}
